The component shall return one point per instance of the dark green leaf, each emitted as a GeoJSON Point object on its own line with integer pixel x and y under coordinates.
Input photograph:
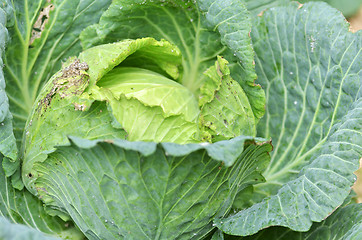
{"type": "Point", "coordinates": [258, 6]}
{"type": "Point", "coordinates": [113, 191]}
{"type": "Point", "coordinates": [218, 235]}
{"type": "Point", "coordinates": [11, 231]}
{"type": "Point", "coordinates": [311, 67]}
{"type": "Point", "coordinates": [345, 223]}
{"type": "Point", "coordinates": [347, 7]}
{"type": "Point", "coordinates": [7, 140]}
{"type": "Point", "coordinates": [23, 208]}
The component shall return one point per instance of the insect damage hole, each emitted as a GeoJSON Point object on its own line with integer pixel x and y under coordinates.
{"type": "Point", "coordinates": [39, 24]}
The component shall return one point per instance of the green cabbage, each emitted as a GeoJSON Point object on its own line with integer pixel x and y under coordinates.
{"type": "Point", "coordinates": [135, 85]}
{"type": "Point", "coordinates": [134, 119]}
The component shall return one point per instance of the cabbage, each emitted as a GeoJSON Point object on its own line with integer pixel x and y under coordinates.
{"type": "Point", "coordinates": [130, 119]}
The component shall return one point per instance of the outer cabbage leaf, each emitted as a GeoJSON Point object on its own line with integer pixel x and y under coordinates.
{"type": "Point", "coordinates": [7, 140]}
{"type": "Point", "coordinates": [345, 223]}
{"type": "Point", "coordinates": [218, 235]}
{"type": "Point", "coordinates": [311, 67]}
{"type": "Point", "coordinates": [347, 7]}
{"type": "Point", "coordinates": [10, 231]}
{"type": "Point", "coordinates": [42, 36]}
{"type": "Point", "coordinates": [22, 207]}
{"type": "Point", "coordinates": [140, 190]}
{"type": "Point", "coordinates": [201, 31]}
{"type": "Point", "coordinates": [258, 6]}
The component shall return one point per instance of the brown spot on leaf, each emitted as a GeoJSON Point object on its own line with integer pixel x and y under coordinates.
{"type": "Point", "coordinates": [42, 189]}
{"type": "Point", "coordinates": [261, 13]}
{"type": "Point", "coordinates": [74, 69]}
{"type": "Point", "coordinates": [39, 24]}
{"type": "Point", "coordinates": [79, 107]}
{"type": "Point", "coordinates": [70, 82]}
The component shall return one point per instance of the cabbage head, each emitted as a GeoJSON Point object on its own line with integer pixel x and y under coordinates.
{"type": "Point", "coordinates": [131, 95]}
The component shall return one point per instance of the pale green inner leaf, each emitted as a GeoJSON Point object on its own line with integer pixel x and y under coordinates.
{"type": "Point", "coordinates": [152, 89]}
